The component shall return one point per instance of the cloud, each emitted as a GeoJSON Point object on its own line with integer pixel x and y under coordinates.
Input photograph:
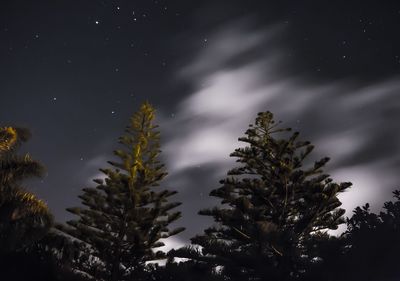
{"type": "Point", "coordinates": [92, 167]}
{"type": "Point", "coordinates": [241, 72]}
{"type": "Point", "coordinates": [208, 122]}
{"type": "Point", "coordinates": [171, 243]}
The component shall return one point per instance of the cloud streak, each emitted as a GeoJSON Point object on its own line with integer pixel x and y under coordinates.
{"type": "Point", "coordinates": [241, 72]}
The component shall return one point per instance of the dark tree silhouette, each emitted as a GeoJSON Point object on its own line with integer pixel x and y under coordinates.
{"type": "Point", "coordinates": [372, 243]}
{"type": "Point", "coordinates": [184, 271]}
{"type": "Point", "coordinates": [271, 209]}
{"type": "Point", "coordinates": [23, 217]}
{"type": "Point", "coordinates": [126, 214]}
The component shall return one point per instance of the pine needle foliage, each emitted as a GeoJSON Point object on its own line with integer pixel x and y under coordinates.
{"type": "Point", "coordinates": [127, 214]}
{"type": "Point", "coordinates": [270, 208]}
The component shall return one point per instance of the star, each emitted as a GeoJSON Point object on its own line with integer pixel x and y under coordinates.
{"type": "Point", "coordinates": [96, 22]}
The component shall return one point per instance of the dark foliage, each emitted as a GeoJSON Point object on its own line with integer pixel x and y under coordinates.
{"type": "Point", "coordinates": [184, 271]}
{"type": "Point", "coordinates": [23, 217]}
{"type": "Point", "coordinates": [372, 242]}
{"type": "Point", "coordinates": [271, 225]}
{"type": "Point", "coordinates": [272, 208]}
{"type": "Point", "coordinates": [37, 262]}
{"type": "Point", "coordinates": [126, 214]}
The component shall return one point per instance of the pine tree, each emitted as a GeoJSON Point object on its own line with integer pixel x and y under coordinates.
{"type": "Point", "coordinates": [271, 208]}
{"type": "Point", "coordinates": [23, 217]}
{"type": "Point", "coordinates": [126, 215]}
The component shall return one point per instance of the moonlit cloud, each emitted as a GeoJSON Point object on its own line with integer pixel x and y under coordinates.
{"type": "Point", "coordinates": [212, 118]}
{"type": "Point", "coordinates": [353, 123]}
{"type": "Point", "coordinates": [171, 243]}
{"type": "Point", "coordinates": [242, 71]}
{"type": "Point", "coordinates": [92, 166]}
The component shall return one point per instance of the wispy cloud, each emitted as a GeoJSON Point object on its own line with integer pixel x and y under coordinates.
{"type": "Point", "coordinates": [354, 124]}
{"type": "Point", "coordinates": [242, 71]}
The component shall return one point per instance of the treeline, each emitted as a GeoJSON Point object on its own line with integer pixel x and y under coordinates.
{"type": "Point", "coordinates": [272, 223]}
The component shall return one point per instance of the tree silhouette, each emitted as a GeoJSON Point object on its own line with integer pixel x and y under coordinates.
{"type": "Point", "coordinates": [271, 209]}
{"type": "Point", "coordinates": [184, 271]}
{"type": "Point", "coordinates": [126, 214]}
{"type": "Point", "coordinates": [23, 217]}
{"type": "Point", "coordinates": [372, 243]}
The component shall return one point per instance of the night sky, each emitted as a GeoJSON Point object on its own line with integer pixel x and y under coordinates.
{"type": "Point", "coordinates": [74, 71]}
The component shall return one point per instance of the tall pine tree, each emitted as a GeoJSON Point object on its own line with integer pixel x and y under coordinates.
{"type": "Point", "coordinates": [271, 208]}
{"type": "Point", "coordinates": [126, 214]}
{"type": "Point", "coordinates": [23, 217]}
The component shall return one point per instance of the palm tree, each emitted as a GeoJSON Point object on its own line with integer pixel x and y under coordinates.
{"type": "Point", "coordinates": [23, 217]}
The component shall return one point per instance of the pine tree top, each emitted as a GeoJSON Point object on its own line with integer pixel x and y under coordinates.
{"type": "Point", "coordinates": [127, 214]}
{"type": "Point", "coordinates": [271, 207]}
